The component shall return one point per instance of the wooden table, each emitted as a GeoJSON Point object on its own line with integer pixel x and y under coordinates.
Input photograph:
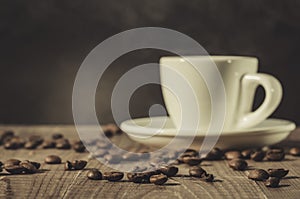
{"type": "Point", "coordinates": [54, 182]}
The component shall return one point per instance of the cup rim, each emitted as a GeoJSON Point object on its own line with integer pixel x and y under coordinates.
{"type": "Point", "coordinates": [212, 57]}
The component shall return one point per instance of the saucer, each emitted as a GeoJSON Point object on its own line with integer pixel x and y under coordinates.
{"type": "Point", "coordinates": [160, 131]}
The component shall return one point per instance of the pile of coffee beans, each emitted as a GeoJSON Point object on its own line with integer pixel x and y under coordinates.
{"type": "Point", "coordinates": [271, 177]}
{"type": "Point", "coordinates": [11, 141]}
{"type": "Point", "coordinates": [15, 166]}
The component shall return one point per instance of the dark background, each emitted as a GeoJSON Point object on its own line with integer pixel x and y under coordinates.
{"type": "Point", "coordinates": [43, 43]}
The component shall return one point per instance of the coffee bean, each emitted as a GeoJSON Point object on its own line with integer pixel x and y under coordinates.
{"type": "Point", "coordinates": [14, 169]}
{"type": "Point", "coordinates": [275, 155]}
{"type": "Point", "coordinates": [131, 156]}
{"type": "Point", "coordinates": [79, 148]}
{"type": "Point", "coordinates": [48, 144]}
{"type": "Point", "coordinates": [246, 154]}
{"type": "Point", "coordinates": [36, 164]}
{"type": "Point", "coordinates": [28, 167]}
{"type": "Point", "coordinates": [191, 152]}
{"type": "Point", "coordinates": [63, 144]}
{"type": "Point", "coordinates": [272, 182]}
{"type": "Point", "coordinates": [267, 148]}
{"type": "Point", "coordinates": [68, 165]}
{"type": "Point", "coordinates": [136, 177]}
{"type": "Point", "coordinates": [295, 151]}
{"type": "Point", "coordinates": [238, 164]}
{"type": "Point", "coordinates": [279, 173]}
{"type": "Point", "coordinates": [5, 136]}
{"type": "Point", "coordinates": [169, 171]}
{"type": "Point", "coordinates": [229, 155]}
{"type": "Point", "coordinates": [196, 171]}
{"type": "Point", "coordinates": [14, 143]}
{"type": "Point", "coordinates": [257, 156]}
{"type": "Point", "coordinates": [192, 160]}
{"type": "Point", "coordinates": [159, 179]}
{"type": "Point", "coordinates": [53, 159]}
{"type": "Point", "coordinates": [208, 178]}
{"type": "Point", "coordinates": [214, 154]}
{"type": "Point", "coordinates": [79, 164]}
{"type": "Point", "coordinates": [57, 136]}
{"type": "Point", "coordinates": [147, 175]}
{"type": "Point", "coordinates": [113, 176]}
{"type": "Point", "coordinates": [31, 145]}
{"type": "Point", "coordinates": [113, 158]}
{"type": "Point", "coordinates": [36, 139]}
{"type": "Point", "coordinates": [11, 162]}
{"type": "Point", "coordinates": [94, 174]}
{"type": "Point", "coordinates": [258, 175]}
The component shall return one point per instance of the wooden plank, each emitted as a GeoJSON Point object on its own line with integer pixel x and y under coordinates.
{"type": "Point", "coordinates": [54, 182]}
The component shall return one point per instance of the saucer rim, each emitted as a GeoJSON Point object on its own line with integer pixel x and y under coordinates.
{"type": "Point", "coordinates": [130, 129]}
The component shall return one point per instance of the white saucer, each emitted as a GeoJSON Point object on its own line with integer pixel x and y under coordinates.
{"type": "Point", "coordinates": [159, 131]}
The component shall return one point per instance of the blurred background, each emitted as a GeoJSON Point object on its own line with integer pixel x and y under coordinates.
{"type": "Point", "coordinates": [43, 43]}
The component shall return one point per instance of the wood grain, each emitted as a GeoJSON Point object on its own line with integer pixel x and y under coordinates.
{"type": "Point", "coordinates": [54, 182]}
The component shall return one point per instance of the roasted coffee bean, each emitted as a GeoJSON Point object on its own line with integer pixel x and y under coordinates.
{"type": "Point", "coordinates": [48, 144]}
{"type": "Point", "coordinates": [11, 162]}
{"type": "Point", "coordinates": [79, 148]}
{"type": "Point", "coordinates": [214, 154]}
{"type": "Point", "coordinates": [53, 159]}
{"type": "Point", "coordinates": [196, 171]}
{"type": "Point", "coordinates": [192, 160]}
{"type": "Point", "coordinates": [79, 164]}
{"type": "Point", "coordinates": [272, 182]}
{"type": "Point", "coordinates": [94, 174]}
{"type": "Point", "coordinates": [258, 175]}
{"type": "Point", "coordinates": [36, 138]}
{"type": "Point", "coordinates": [169, 171]}
{"type": "Point", "coordinates": [57, 136]}
{"type": "Point", "coordinates": [14, 143]}
{"type": "Point", "coordinates": [191, 152]}
{"type": "Point", "coordinates": [295, 151]}
{"type": "Point", "coordinates": [229, 155]}
{"type": "Point", "coordinates": [37, 165]}
{"type": "Point", "coordinates": [6, 136]}
{"type": "Point", "coordinates": [63, 144]}
{"type": "Point", "coordinates": [279, 173]}
{"type": "Point", "coordinates": [136, 177]}
{"type": "Point", "coordinates": [238, 164]}
{"type": "Point", "coordinates": [14, 169]}
{"type": "Point", "coordinates": [131, 156]}
{"type": "Point", "coordinates": [113, 176]}
{"type": "Point", "coordinates": [68, 165]}
{"type": "Point", "coordinates": [267, 148]}
{"type": "Point", "coordinates": [113, 158]}
{"type": "Point", "coordinates": [31, 145]}
{"type": "Point", "coordinates": [208, 178]}
{"type": "Point", "coordinates": [28, 167]}
{"type": "Point", "coordinates": [275, 155]}
{"type": "Point", "coordinates": [147, 175]}
{"type": "Point", "coordinates": [159, 179]}
{"type": "Point", "coordinates": [246, 154]}
{"type": "Point", "coordinates": [257, 156]}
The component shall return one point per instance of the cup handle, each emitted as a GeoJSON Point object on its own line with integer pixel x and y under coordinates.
{"type": "Point", "coordinates": [273, 95]}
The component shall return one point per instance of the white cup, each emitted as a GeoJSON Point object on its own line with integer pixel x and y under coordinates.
{"type": "Point", "coordinates": [240, 78]}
